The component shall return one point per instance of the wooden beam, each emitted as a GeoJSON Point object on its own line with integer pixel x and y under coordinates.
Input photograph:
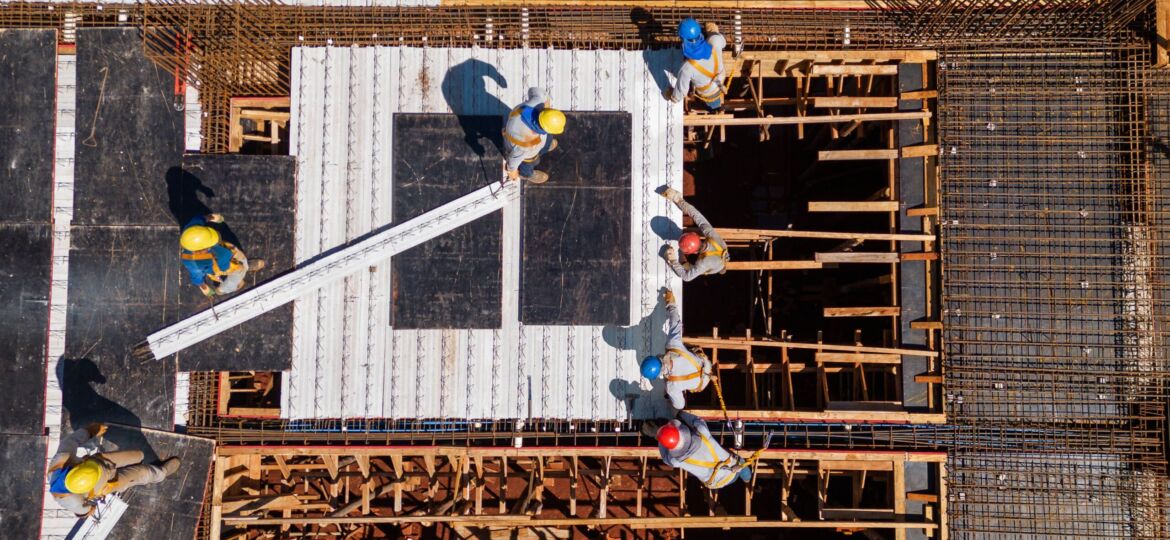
{"type": "Point", "coordinates": [855, 257]}
{"type": "Point", "coordinates": [894, 417]}
{"type": "Point", "coordinates": [887, 311]}
{"type": "Point", "coordinates": [922, 211]}
{"type": "Point", "coordinates": [858, 358]}
{"type": "Point", "coordinates": [707, 120]}
{"type": "Point", "coordinates": [919, 94]}
{"type": "Point", "coordinates": [773, 265]}
{"type": "Point", "coordinates": [853, 69]}
{"type": "Point", "coordinates": [511, 521]}
{"type": "Point", "coordinates": [920, 150]}
{"type": "Point", "coordinates": [851, 102]}
{"type": "Point", "coordinates": [853, 206]}
{"type": "Point", "coordinates": [922, 496]}
{"type": "Point", "coordinates": [920, 256]}
{"type": "Point", "coordinates": [1162, 34]}
{"type": "Point", "coordinates": [926, 325]}
{"type": "Point", "coordinates": [857, 155]}
{"type": "Point", "coordinates": [928, 379]}
{"type": "Point", "coordinates": [893, 55]}
{"type": "Point", "coordinates": [733, 235]}
{"type": "Point", "coordinates": [724, 342]}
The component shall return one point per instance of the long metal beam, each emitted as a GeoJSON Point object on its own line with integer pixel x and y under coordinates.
{"type": "Point", "coordinates": [327, 269]}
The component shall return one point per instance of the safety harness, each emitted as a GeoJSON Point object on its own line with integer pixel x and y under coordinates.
{"type": "Point", "coordinates": [699, 371]}
{"type": "Point", "coordinates": [715, 250]}
{"type": "Point", "coordinates": [706, 92]}
{"type": "Point", "coordinates": [730, 463]}
{"type": "Point", "coordinates": [523, 143]}
{"type": "Point", "coordinates": [206, 254]}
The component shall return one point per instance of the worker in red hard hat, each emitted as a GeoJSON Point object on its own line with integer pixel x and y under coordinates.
{"type": "Point", "coordinates": [80, 473]}
{"type": "Point", "coordinates": [705, 246]}
{"type": "Point", "coordinates": [686, 443]}
{"type": "Point", "coordinates": [683, 369]}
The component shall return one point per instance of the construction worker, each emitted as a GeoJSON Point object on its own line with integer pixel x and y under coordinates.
{"type": "Point", "coordinates": [526, 136]}
{"type": "Point", "coordinates": [684, 370]}
{"type": "Point", "coordinates": [216, 267]}
{"type": "Point", "coordinates": [708, 248]}
{"type": "Point", "coordinates": [703, 68]}
{"type": "Point", "coordinates": [77, 479]}
{"type": "Point", "coordinates": [686, 443]}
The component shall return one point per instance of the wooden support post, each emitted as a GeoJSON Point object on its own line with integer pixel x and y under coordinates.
{"type": "Point", "coordinates": [899, 498]}
{"type": "Point", "coordinates": [1162, 34]}
{"type": "Point", "coordinates": [217, 487]}
{"type": "Point", "coordinates": [399, 477]}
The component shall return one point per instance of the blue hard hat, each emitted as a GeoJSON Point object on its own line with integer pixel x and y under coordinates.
{"type": "Point", "coordinates": [651, 367]}
{"type": "Point", "coordinates": [745, 474]}
{"type": "Point", "coordinates": [689, 29]}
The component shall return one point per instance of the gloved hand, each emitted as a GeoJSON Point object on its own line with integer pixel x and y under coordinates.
{"type": "Point", "coordinates": [670, 253]}
{"type": "Point", "coordinates": [668, 296]}
{"type": "Point", "coordinates": [645, 384]}
{"type": "Point", "coordinates": [514, 174]}
{"type": "Point", "coordinates": [207, 290]}
{"type": "Point", "coordinates": [214, 218]}
{"type": "Point", "coordinates": [668, 94]}
{"type": "Point", "coordinates": [672, 195]}
{"type": "Point", "coordinates": [96, 429]}
{"type": "Point", "coordinates": [711, 28]}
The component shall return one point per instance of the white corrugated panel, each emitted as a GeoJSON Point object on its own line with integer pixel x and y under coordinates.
{"type": "Point", "coordinates": [348, 362]}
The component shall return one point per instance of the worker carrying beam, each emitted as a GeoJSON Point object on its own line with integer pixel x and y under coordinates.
{"type": "Point", "coordinates": [683, 369]}
{"type": "Point", "coordinates": [526, 136]}
{"type": "Point", "coordinates": [215, 266]}
{"type": "Point", "coordinates": [708, 249]}
{"type": "Point", "coordinates": [703, 68]}
{"type": "Point", "coordinates": [686, 443]}
{"type": "Point", "coordinates": [80, 474]}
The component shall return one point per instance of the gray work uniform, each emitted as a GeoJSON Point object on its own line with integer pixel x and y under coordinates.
{"type": "Point", "coordinates": [121, 470]}
{"type": "Point", "coordinates": [712, 257]}
{"type": "Point", "coordinates": [683, 370]}
{"type": "Point", "coordinates": [521, 143]}
{"type": "Point", "coordinates": [702, 456]}
{"type": "Point", "coordinates": [705, 75]}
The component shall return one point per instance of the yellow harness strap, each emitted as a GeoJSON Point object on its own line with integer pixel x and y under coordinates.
{"type": "Point", "coordinates": [713, 465]}
{"type": "Point", "coordinates": [690, 376]}
{"type": "Point", "coordinates": [525, 143]}
{"type": "Point", "coordinates": [715, 251]}
{"type": "Point", "coordinates": [704, 92]}
{"type": "Point", "coordinates": [206, 255]}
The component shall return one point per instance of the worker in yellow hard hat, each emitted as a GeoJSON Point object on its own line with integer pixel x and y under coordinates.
{"type": "Point", "coordinates": [79, 474]}
{"type": "Point", "coordinates": [527, 136]}
{"type": "Point", "coordinates": [215, 266]}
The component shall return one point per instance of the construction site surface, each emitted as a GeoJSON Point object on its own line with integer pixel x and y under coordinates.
{"type": "Point", "coordinates": [941, 317]}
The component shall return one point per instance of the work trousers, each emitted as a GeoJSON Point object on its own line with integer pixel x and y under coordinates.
{"type": "Point", "coordinates": [527, 167]}
{"type": "Point", "coordinates": [131, 471]}
{"type": "Point", "coordinates": [232, 281]}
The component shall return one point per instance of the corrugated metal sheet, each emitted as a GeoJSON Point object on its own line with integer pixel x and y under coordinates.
{"type": "Point", "coordinates": [347, 361]}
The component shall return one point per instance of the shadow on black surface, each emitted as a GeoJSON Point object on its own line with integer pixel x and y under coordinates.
{"type": "Point", "coordinates": [85, 405]}
{"type": "Point", "coordinates": [464, 86]}
{"type": "Point", "coordinates": [652, 34]}
{"type": "Point", "coordinates": [183, 190]}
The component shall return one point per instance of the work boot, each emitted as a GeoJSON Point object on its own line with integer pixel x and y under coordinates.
{"type": "Point", "coordinates": [171, 465]}
{"type": "Point", "coordinates": [538, 177]}
{"type": "Point", "coordinates": [552, 146]}
{"type": "Point", "coordinates": [256, 264]}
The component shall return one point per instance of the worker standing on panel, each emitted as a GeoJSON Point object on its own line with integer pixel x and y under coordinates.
{"type": "Point", "coordinates": [703, 68]}
{"type": "Point", "coordinates": [80, 474]}
{"type": "Point", "coordinates": [686, 443]}
{"type": "Point", "coordinates": [215, 266]}
{"type": "Point", "coordinates": [684, 370]}
{"type": "Point", "coordinates": [708, 249]}
{"type": "Point", "coordinates": [526, 136]}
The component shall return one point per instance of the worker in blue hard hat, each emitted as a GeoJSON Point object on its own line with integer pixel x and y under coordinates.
{"type": "Point", "coordinates": [527, 136]}
{"type": "Point", "coordinates": [80, 474]}
{"type": "Point", "coordinates": [215, 266]}
{"type": "Point", "coordinates": [703, 69]}
{"type": "Point", "coordinates": [684, 370]}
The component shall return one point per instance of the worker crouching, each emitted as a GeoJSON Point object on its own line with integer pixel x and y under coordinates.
{"type": "Point", "coordinates": [684, 370]}
{"type": "Point", "coordinates": [77, 482]}
{"type": "Point", "coordinates": [215, 266]}
{"type": "Point", "coordinates": [703, 68]}
{"type": "Point", "coordinates": [686, 443]}
{"type": "Point", "coordinates": [705, 246]}
{"type": "Point", "coordinates": [527, 136]}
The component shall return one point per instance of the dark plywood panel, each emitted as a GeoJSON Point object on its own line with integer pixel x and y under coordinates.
{"type": "Point", "coordinates": [24, 321]}
{"type": "Point", "coordinates": [452, 281]}
{"type": "Point", "coordinates": [256, 196]}
{"type": "Point", "coordinates": [169, 509]}
{"type": "Point", "coordinates": [22, 459]}
{"type": "Point", "coordinates": [576, 243]}
{"type": "Point", "coordinates": [27, 106]}
{"type": "Point", "coordinates": [912, 281]}
{"type": "Point", "coordinates": [123, 285]}
{"type": "Point", "coordinates": [128, 131]}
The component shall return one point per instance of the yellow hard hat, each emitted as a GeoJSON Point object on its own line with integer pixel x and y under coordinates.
{"type": "Point", "coordinates": [198, 237]}
{"type": "Point", "coordinates": [552, 121]}
{"type": "Point", "coordinates": [83, 477]}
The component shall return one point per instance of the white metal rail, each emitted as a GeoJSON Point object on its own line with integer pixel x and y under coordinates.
{"type": "Point", "coordinates": [327, 269]}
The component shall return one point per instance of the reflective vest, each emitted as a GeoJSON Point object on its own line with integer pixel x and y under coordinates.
{"type": "Point", "coordinates": [713, 90]}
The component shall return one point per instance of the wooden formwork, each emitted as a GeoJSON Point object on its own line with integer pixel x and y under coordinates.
{"type": "Point", "coordinates": [260, 492]}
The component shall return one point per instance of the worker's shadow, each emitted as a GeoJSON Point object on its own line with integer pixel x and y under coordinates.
{"type": "Point", "coordinates": [647, 338]}
{"type": "Point", "coordinates": [85, 405]}
{"type": "Point", "coordinates": [481, 113]}
{"type": "Point", "coordinates": [659, 47]}
{"type": "Point", "coordinates": [665, 228]}
{"type": "Point", "coordinates": [184, 191]}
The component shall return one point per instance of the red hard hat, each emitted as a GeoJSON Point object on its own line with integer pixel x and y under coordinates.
{"type": "Point", "coordinates": [668, 436]}
{"type": "Point", "coordinates": [689, 243]}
